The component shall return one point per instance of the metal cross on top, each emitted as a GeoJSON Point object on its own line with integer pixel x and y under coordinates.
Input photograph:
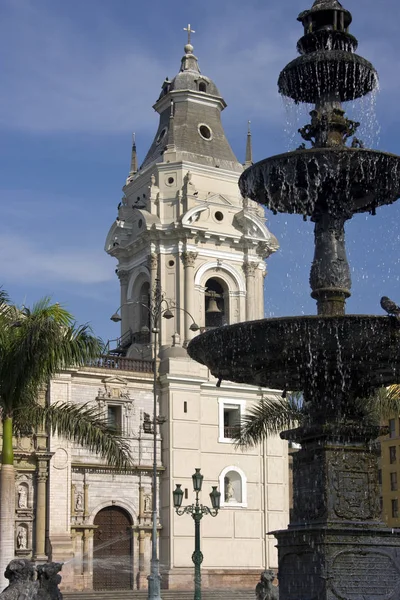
{"type": "Point", "coordinates": [189, 32]}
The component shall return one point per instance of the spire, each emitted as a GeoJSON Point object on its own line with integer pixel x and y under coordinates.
{"type": "Point", "coordinates": [133, 157]}
{"type": "Point", "coordinates": [249, 147]}
{"type": "Point", "coordinates": [189, 61]}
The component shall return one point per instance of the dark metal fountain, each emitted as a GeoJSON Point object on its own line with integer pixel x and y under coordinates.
{"type": "Point", "coordinates": [336, 546]}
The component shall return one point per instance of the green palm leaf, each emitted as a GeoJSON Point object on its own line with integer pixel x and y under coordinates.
{"type": "Point", "coordinates": [85, 425]}
{"type": "Point", "coordinates": [270, 416]}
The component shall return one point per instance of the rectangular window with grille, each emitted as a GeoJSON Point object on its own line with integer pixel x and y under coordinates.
{"type": "Point", "coordinates": [395, 508]}
{"type": "Point", "coordinates": [393, 482]}
{"type": "Point", "coordinates": [230, 415]}
{"type": "Point", "coordinates": [392, 454]}
{"type": "Point", "coordinates": [114, 416]}
{"type": "Point", "coordinates": [231, 421]}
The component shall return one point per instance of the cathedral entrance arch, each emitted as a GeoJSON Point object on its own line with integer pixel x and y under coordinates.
{"type": "Point", "coordinates": [112, 550]}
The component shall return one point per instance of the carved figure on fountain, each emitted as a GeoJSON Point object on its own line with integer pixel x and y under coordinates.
{"type": "Point", "coordinates": [265, 590]}
{"type": "Point", "coordinates": [49, 580]}
{"type": "Point", "coordinates": [21, 574]}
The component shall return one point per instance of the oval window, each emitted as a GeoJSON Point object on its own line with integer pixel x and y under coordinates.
{"type": "Point", "coordinates": [205, 132]}
{"type": "Point", "coordinates": [161, 135]}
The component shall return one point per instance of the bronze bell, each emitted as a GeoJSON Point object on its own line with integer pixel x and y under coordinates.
{"type": "Point", "coordinates": [213, 306]}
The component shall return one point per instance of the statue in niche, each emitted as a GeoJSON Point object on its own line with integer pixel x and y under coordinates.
{"type": "Point", "coordinates": [22, 497]}
{"type": "Point", "coordinates": [22, 538]}
{"type": "Point", "coordinates": [147, 503]}
{"type": "Point", "coordinates": [79, 502]}
{"type": "Point", "coordinates": [229, 491]}
{"type": "Point", "coordinates": [265, 590]}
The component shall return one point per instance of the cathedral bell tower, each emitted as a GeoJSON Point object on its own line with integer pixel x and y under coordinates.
{"type": "Point", "coordinates": [182, 223]}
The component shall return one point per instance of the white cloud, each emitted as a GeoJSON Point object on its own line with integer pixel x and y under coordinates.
{"type": "Point", "coordinates": [24, 260]}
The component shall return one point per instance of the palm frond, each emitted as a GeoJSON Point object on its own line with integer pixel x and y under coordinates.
{"type": "Point", "coordinates": [270, 416]}
{"type": "Point", "coordinates": [387, 402]}
{"type": "Point", "coordinates": [45, 341]}
{"type": "Point", "coordinates": [82, 424]}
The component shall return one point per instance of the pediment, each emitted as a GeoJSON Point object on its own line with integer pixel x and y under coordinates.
{"type": "Point", "coordinates": [219, 199]}
{"type": "Point", "coordinates": [116, 380]}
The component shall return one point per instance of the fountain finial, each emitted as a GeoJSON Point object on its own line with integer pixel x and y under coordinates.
{"type": "Point", "coordinates": [325, 14]}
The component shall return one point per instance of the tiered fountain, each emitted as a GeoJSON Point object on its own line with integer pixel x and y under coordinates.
{"type": "Point", "coordinates": [336, 545]}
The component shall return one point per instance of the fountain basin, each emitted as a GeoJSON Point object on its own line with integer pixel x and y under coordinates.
{"type": "Point", "coordinates": [357, 352]}
{"type": "Point", "coordinates": [311, 76]}
{"type": "Point", "coordinates": [339, 181]}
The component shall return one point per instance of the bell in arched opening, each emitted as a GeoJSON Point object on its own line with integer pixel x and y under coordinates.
{"type": "Point", "coordinates": [215, 313]}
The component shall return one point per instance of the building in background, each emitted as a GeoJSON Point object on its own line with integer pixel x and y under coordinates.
{"type": "Point", "coordinates": [389, 474]}
{"type": "Point", "coordinates": [181, 226]}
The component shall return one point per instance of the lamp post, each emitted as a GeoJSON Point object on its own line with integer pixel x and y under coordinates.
{"type": "Point", "coordinates": [158, 308]}
{"type": "Point", "coordinates": [197, 511]}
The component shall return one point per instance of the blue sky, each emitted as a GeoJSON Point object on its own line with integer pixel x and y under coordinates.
{"type": "Point", "coordinates": [79, 76]}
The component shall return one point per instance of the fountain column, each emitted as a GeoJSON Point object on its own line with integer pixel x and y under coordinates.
{"type": "Point", "coordinates": [330, 273]}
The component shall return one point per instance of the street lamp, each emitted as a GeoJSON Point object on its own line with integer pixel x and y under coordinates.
{"type": "Point", "coordinates": [158, 308]}
{"type": "Point", "coordinates": [197, 511]}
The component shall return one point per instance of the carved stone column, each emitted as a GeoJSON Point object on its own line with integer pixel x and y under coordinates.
{"type": "Point", "coordinates": [42, 474]}
{"type": "Point", "coordinates": [250, 270]}
{"type": "Point", "coordinates": [153, 267]}
{"type": "Point", "coordinates": [73, 494]}
{"type": "Point", "coordinates": [189, 259]}
{"type": "Point", "coordinates": [86, 500]}
{"type": "Point", "coordinates": [123, 277]}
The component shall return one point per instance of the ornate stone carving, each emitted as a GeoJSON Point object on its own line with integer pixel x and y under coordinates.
{"type": "Point", "coordinates": [250, 269]}
{"type": "Point", "coordinates": [147, 503]}
{"type": "Point", "coordinates": [123, 276]}
{"type": "Point", "coordinates": [189, 258]}
{"type": "Point", "coordinates": [357, 574]}
{"type": "Point", "coordinates": [265, 590]}
{"type": "Point", "coordinates": [49, 580]}
{"type": "Point", "coordinates": [20, 573]}
{"type": "Point", "coordinates": [152, 260]}
{"type": "Point", "coordinates": [79, 501]}
{"type": "Point", "coordinates": [22, 537]}
{"type": "Point", "coordinates": [23, 495]}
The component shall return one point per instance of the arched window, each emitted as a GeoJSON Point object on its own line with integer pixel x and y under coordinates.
{"type": "Point", "coordinates": [144, 299]}
{"type": "Point", "coordinates": [216, 306]}
{"type": "Point", "coordinates": [233, 487]}
{"type": "Point", "coordinates": [202, 87]}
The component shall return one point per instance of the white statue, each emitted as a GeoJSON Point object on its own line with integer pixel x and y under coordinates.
{"type": "Point", "coordinates": [147, 503]}
{"type": "Point", "coordinates": [22, 497]}
{"type": "Point", "coordinates": [21, 538]}
{"type": "Point", "coordinates": [78, 502]}
{"type": "Point", "coordinates": [229, 491]}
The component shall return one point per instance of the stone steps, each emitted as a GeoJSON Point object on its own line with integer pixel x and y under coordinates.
{"type": "Point", "coordinates": [165, 595]}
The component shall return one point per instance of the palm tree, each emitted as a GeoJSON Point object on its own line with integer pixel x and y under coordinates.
{"type": "Point", "coordinates": [34, 345]}
{"type": "Point", "coordinates": [274, 414]}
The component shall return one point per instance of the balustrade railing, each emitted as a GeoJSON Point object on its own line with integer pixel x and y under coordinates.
{"type": "Point", "coordinates": [122, 363]}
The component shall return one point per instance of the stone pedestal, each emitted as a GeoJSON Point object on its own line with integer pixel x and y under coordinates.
{"type": "Point", "coordinates": [336, 547]}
